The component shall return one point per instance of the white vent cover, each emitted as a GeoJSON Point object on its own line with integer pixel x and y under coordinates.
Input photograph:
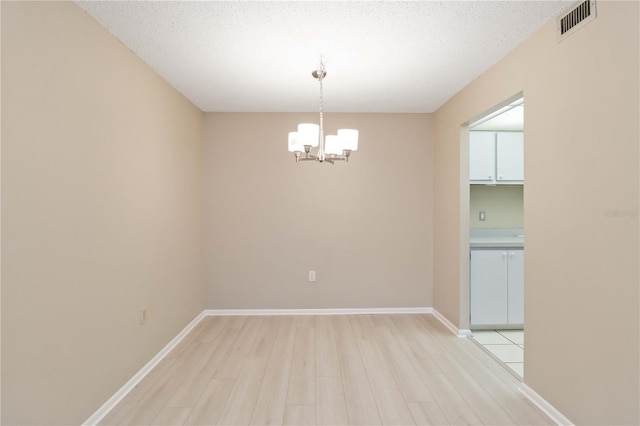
{"type": "Point", "coordinates": [575, 18]}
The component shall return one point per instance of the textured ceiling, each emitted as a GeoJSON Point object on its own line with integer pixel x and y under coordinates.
{"type": "Point", "coordinates": [381, 56]}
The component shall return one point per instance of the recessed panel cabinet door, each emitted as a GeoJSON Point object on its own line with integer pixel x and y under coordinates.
{"type": "Point", "coordinates": [516, 287]}
{"type": "Point", "coordinates": [510, 156]}
{"type": "Point", "coordinates": [482, 156]}
{"type": "Point", "coordinates": [488, 287]}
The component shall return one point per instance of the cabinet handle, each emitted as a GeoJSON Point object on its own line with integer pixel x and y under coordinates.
{"type": "Point", "coordinates": [490, 176]}
{"type": "Point", "coordinates": [504, 254]}
{"type": "Point", "coordinates": [500, 177]}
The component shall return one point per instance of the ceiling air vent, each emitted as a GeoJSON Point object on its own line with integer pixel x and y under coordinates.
{"type": "Point", "coordinates": [574, 18]}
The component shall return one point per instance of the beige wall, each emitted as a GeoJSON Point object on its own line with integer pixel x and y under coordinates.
{"type": "Point", "coordinates": [101, 213]}
{"type": "Point", "coordinates": [503, 206]}
{"type": "Point", "coordinates": [365, 227]}
{"type": "Point", "coordinates": [580, 214]}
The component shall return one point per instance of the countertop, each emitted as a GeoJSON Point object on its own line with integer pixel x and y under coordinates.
{"type": "Point", "coordinates": [496, 238]}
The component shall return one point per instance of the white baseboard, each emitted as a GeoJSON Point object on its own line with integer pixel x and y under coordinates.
{"type": "Point", "coordinates": [543, 405]}
{"type": "Point", "coordinates": [529, 393]}
{"type": "Point", "coordinates": [460, 332]}
{"type": "Point", "coordinates": [137, 378]}
{"type": "Point", "coordinates": [329, 311]}
{"type": "Point", "coordinates": [124, 390]}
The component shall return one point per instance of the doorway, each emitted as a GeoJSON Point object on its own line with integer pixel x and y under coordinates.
{"type": "Point", "coordinates": [492, 204]}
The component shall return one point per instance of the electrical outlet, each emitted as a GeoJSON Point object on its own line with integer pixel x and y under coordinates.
{"type": "Point", "coordinates": [143, 317]}
{"type": "Point", "coordinates": [483, 216]}
{"type": "Point", "coordinates": [312, 276]}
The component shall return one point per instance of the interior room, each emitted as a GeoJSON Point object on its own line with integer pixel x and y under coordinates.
{"type": "Point", "coordinates": [176, 250]}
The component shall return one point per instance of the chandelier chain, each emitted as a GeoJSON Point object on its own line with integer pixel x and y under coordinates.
{"type": "Point", "coordinates": [321, 74]}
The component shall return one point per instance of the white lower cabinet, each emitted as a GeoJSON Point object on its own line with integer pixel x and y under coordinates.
{"type": "Point", "coordinates": [515, 287]}
{"type": "Point", "coordinates": [497, 287]}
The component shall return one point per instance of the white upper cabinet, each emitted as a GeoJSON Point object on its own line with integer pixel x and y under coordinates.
{"type": "Point", "coordinates": [482, 156]}
{"type": "Point", "coordinates": [510, 156]}
{"type": "Point", "coordinates": [496, 158]}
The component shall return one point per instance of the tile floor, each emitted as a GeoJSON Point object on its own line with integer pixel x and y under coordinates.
{"type": "Point", "coordinates": [505, 345]}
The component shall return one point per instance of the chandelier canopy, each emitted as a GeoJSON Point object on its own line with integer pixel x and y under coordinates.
{"type": "Point", "coordinates": [330, 149]}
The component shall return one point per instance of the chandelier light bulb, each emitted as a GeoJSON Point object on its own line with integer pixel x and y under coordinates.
{"type": "Point", "coordinates": [294, 146]}
{"type": "Point", "coordinates": [332, 145]}
{"type": "Point", "coordinates": [308, 134]}
{"type": "Point", "coordinates": [349, 139]}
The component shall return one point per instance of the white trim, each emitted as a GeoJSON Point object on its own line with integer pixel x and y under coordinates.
{"type": "Point", "coordinates": [529, 393]}
{"type": "Point", "coordinates": [124, 390]}
{"type": "Point", "coordinates": [543, 405]}
{"type": "Point", "coordinates": [330, 311]}
{"type": "Point", "coordinates": [458, 332]}
{"type": "Point", "coordinates": [137, 378]}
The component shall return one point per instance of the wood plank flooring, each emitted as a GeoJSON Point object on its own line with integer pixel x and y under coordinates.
{"type": "Point", "coordinates": [326, 370]}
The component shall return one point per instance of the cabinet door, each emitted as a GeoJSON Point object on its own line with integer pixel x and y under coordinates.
{"type": "Point", "coordinates": [509, 156]}
{"type": "Point", "coordinates": [516, 287]}
{"type": "Point", "coordinates": [482, 156]}
{"type": "Point", "coordinates": [488, 298]}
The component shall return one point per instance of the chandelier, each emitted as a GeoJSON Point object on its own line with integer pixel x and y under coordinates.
{"type": "Point", "coordinates": [330, 149]}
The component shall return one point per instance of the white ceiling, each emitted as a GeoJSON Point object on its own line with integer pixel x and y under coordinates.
{"type": "Point", "coordinates": [382, 56]}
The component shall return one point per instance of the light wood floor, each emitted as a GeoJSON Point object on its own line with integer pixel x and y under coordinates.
{"type": "Point", "coordinates": [339, 370]}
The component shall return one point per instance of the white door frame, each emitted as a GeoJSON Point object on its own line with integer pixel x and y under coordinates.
{"type": "Point", "coordinates": [464, 320]}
